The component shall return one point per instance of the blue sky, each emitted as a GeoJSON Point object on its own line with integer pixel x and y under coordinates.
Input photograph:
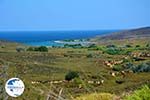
{"type": "Point", "coordinates": [73, 14]}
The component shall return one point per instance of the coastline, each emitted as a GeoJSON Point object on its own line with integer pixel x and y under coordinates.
{"type": "Point", "coordinates": [58, 43]}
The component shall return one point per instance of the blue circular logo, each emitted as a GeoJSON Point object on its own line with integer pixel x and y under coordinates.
{"type": "Point", "coordinates": [14, 87]}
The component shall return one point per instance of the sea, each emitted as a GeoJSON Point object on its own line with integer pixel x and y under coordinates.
{"type": "Point", "coordinates": [49, 38]}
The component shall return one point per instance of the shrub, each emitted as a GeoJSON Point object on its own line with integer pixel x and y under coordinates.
{"type": "Point", "coordinates": [30, 49]}
{"type": "Point", "coordinates": [20, 49]}
{"type": "Point", "coordinates": [95, 47]}
{"type": "Point", "coordinates": [77, 81]}
{"type": "Point", "coordinates": [119, 81]}
{"type": "Point", "coordinates": [111, 46]}
{"type": "Point", "coordinates": [114, 51]}
{"type": "Point", "coordinates": [117, 68]}
{"type": "Point", "coordinates": [128, 46]}
{"type": "Point", "coordinates": [138, 59]}
{"type": "Point", "coordinates": [71, 75]}
{"type": "Point", "coordinates": [147, 45]}
{"type": "Point", "coordinates": [3, 46]}
{"type": "Point", "coordinates": [73, 46]}
{"type": "Point", "coordinates": [41, 49]}
{"type": "Point", "coordinates": [129, 66]}
{"type": "Point", "coordinates": [89, 56]}
{"type": "Point", "coordinates": [137, 46]}
{"type": "Point", "coordinates": [141, 94]}
{"type": "Point", "coordinates": [92, 46]}
{"type": "Point", "coordinates": [144, 67]}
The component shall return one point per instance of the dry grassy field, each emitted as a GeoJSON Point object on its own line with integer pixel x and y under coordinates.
{"type": "Point", "coordinates": [100, 70]}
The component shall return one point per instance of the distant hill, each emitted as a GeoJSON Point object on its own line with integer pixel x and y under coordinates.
{"type": "Point", "coordinates": [126, 34]}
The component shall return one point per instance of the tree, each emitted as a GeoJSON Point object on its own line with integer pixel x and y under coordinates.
{"type": "Point", "coordinates": [71, 75]}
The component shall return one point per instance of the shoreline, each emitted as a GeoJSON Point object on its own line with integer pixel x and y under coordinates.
{"type": "Point", "coordinates": [58, 43]}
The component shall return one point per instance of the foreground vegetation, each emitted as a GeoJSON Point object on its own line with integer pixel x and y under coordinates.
{"type": "Point", "coordinates": [140, 94]}
{"type": "Point", "coordinates": [96, 96]}
{"type": "Point", "coordinates": [73, 72]}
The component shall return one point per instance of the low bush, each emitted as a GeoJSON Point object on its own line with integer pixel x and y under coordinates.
{"type": "Point", "coordinates": [41, 49]}
{"type": "Point", "coordinates": [138, 59]}
{"type": "Point", "coordinates": [73, 46]}
{"type": "Point", "coordinates": [71, 75]}
{"type": "Point", "coordinates": [128, 46]}
{"type": "Point", "coordinates": [115, 51]}
{"type": "Point", "coordinates": [30, 49]}
{"type": "Point", "coordinates": [144, 67]}
{"type": "Point", "coordinates": [117, 68]}
{"type": "Point", "coordinates": [141, 94]}
{"type": "Point", "coordinates": [92, 46]}
{"type": "Point", "coordinates": [89, 56]}
{"type": "Point", "coordinates": [137, 46]}
{"type": "Point", "coordinates": [20, 49]}
{"type": "Point", "coordinates": [148, 45]}
{"type": "Point", "coordinates": [77, 81]}
{"type": "Point", "coordinates": [120, 81]}
{"type": "Point", "coordinates": [111, 46]}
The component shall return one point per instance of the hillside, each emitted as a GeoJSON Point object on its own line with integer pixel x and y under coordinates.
{"type": "Point", "coordinates": [97, 71]}
{"type": "Point", "coordinates": [127, 34]}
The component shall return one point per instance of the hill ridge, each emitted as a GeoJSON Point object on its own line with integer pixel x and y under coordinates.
{"type": "Point", "coordinates": [143, 32]}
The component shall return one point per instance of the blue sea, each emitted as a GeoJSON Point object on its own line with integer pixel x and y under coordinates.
{"type": "Point", "coordinates": [48, 38]}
